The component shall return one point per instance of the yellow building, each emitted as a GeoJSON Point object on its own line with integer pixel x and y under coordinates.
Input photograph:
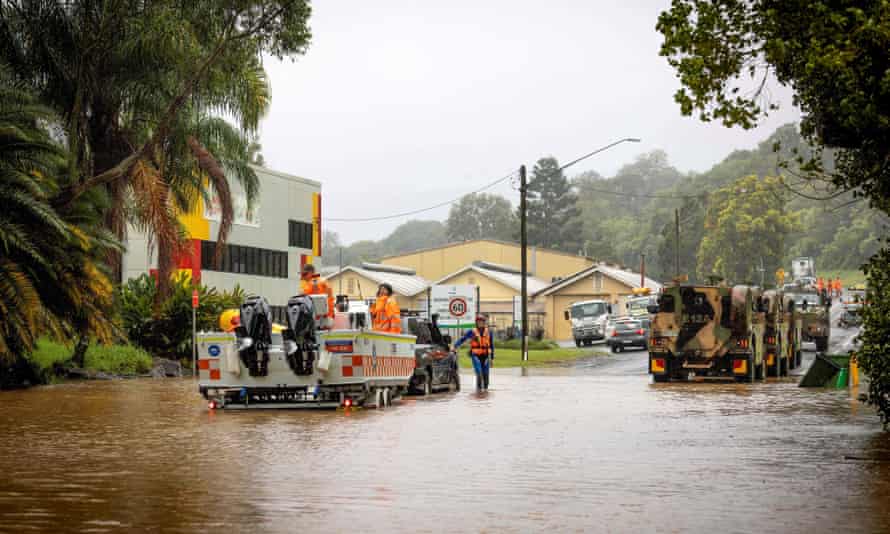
{"type": "Point", "coordinates": [605, 282]}
{"type": "Point", "coordinates": [361, 283]}
{"type": "Point", "coordinates": [438, 262]}
{"type": "Point", "coordinates": [498, 285]}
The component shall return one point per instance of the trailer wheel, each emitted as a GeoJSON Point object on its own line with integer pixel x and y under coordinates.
{"type": "Point", "coordinates": [387, 397]}
{"type": "Point", "coordinates": [378, 398]}
{"type": "Point", "coordinates": [578, 343]}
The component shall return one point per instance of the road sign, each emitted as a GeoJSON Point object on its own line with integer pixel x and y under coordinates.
{"type": "Point", "coordinates": [455, 305]}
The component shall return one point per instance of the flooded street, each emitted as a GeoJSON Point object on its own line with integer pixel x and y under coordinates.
{"type": "Point", "coordinates": [592, 447]}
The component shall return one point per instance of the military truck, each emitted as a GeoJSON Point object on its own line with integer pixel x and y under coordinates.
{"type": "Point", "coordinates": [815, 313]}
{"type": "Point", "coordinates": [775, 334]}
{"type": "Point", "coordinates": [795, 331]}
{"type": "Point", "coordinates": [707, 331]}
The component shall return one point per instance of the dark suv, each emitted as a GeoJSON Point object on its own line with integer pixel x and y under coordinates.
{"type": "Point", "coordinates": [631, 333]}
{"type": "Point", "coordinates": [435, 366]}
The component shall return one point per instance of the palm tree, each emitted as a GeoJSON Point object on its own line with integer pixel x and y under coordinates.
{"type": "Point", "coordinates": [115, 72]}
{"type": "Point", "coordinates": [51, 279]}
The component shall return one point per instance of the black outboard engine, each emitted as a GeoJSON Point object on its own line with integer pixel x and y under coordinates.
{"type": "Point", "coordinates": [255, 335]}
{"type": "Point", "coordinates": [300, 344]}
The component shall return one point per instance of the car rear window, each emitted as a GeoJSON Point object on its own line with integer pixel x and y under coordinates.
{"type": "Point", "coordinates": [627, 326]}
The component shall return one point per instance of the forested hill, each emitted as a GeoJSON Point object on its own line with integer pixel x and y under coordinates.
{"type": "Point", "coordinates": [729, 221]}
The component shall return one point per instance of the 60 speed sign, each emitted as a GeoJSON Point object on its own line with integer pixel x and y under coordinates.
{"type": "Point", "coordinates": [458, 306]}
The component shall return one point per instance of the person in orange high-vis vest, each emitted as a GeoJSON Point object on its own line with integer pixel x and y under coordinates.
{"type": "Point", "coordinates": [312, 284]}
{"type": "Point", "coordinates": [481, 350]}
{"type": "Point", "coordinates": [385, 313]}
{"type": "Point", "coordinates": [820, 285]}
{"type": "Point", "coordinates": [838, 289]}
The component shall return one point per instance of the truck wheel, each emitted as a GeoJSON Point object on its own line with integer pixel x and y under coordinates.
{"type": "Point", "coordinates": [821, 344]}
{"type": "Point", "coordinates": [617, 348]}
{"type": "Point", "coordinates": [662, 378]}
{"type": "Point", "coordinates": [578, 343]}
{"type": "Point", "coordinates": [760, 371]}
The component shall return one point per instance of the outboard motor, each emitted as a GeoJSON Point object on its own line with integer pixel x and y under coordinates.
{"type": "Point", "coordinates": [255, 335]}
{"type": "Point", "coordinates": [299, 337]}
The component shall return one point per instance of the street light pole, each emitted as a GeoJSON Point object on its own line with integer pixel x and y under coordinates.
{"type": "Point", "coordinates": [523, 235]}
{"type": "Point", "coordinates": [523, 244]}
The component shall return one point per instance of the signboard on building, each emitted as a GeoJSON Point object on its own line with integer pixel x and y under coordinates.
{"type": "Point", "coordinates": [455, 304]}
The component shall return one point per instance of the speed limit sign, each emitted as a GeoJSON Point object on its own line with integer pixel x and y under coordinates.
{"type": "Point", "coordinates": [458, 307]}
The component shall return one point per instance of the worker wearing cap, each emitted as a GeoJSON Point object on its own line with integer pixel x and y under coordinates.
{"type": "Point", "coordinates": [312, 284]}
{"type": "Point", "coordinates": [385, 313]}
{"type": "Point", "coordinates": [481, 350]}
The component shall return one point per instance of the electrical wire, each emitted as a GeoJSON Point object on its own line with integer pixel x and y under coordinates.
{"type": "Point", "coordinates": [421, 210]}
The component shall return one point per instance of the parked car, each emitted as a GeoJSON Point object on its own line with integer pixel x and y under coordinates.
{"type": "Point", "coordinates": [626, 334]}
{"type": "Point", "coordinates": [436, 367]}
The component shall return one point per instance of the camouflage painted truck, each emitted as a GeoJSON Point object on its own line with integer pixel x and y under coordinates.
{"type": "Point", "coordinates": [795, 331]}
{"type": "Point", "coordinates": [815, 314]}
{"type": "Point", "coordinates": [707, 331]}
{"type": "Point", "coordinates": [776, 333]}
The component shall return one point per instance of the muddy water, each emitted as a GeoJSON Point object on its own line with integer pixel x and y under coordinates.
{"type": "Point", "coordinates": [577, 449]}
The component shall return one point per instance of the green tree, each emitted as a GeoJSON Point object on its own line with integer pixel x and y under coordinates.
{"type": "Point", "coordinates": [481, 216]}
{"type": "Point", "coordinates": [119, 107]}
{"type": "Point", "coordinates": [552, 211]}
{"type": "Point", "coordinates": [835, 56]}
{"type": "Point", "coordinates": [413, 235]}
{"type": "Point", "coordinates": [51, 277]}
{"type": "Point", "coordinates": [744, 223]}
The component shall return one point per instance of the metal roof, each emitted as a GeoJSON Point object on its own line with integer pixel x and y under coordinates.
{"type": "Point", "coordinates": [628, 278]}
{"type": "Point", "coordinates": [497, 241]}
{"type": "Point", "coordinates": [512, 280]}
{"type": "Point", "coordinates": [403, 284]}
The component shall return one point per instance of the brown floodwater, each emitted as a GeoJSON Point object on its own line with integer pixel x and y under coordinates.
{"type": "Point", "coordinates": [594, 447]}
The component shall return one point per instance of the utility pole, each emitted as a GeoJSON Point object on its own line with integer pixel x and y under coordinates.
{"type": "Point", "coordinates": [642, 270]}
{"type": "Point", "coordinates": [523, 243]}
{"type": "Point", "coordinates": [340, 292]}
{"type": "Point", "coordinates": [677, 239]}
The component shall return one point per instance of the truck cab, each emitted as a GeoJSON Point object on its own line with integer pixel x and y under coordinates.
{"type": "Point", "coordinates": [589, 320]}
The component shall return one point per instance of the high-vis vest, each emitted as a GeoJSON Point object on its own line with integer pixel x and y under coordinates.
{"type": "Point", "coordinates": [317, 286]}
{"type": "Point", "coordinates": [480, 345]}
{"type": "Point", "coordinates": [386, 315]}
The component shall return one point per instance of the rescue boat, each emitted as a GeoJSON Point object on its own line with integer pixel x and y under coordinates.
{"type": "Point", "coordinates": [311, 362]}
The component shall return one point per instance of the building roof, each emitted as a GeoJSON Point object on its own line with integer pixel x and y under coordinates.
{"type": "Point", "coordinates": [628, 278]}
{"type": "Point", "coordinates": [402, 283]}
{"type": "Point", "coordinates": [507, 276]}
{"type": "Point", "coordinates": [497, 241]}
{"type": "Point", "coordinates": [285, 176]}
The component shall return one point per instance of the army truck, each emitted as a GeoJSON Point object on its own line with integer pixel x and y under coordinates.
{"type": "Point", "coordinates": [795, 331]}
{"type": "Point", "coordinates": [775, 334]}
{"type": "Point", "coordinates": [707, 331]}
{"type": "Point", "coordinates": [814, 310]}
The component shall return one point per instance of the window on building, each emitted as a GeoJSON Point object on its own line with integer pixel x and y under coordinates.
{"type": "Point", "coordinates": [597, 280]}
{"type": "Point", "coordinates": [299, 234]}
{"type": "Point", "coordinates": [239, 259]}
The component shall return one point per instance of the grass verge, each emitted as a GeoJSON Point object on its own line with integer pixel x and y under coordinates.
{"type": "Point", "coordinates": [111, 359]}
{"type": "Point", "coordinates": [536, 358]}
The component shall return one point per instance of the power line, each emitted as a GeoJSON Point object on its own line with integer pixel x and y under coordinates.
{"type": "Point", "coordinates": [421, 210]}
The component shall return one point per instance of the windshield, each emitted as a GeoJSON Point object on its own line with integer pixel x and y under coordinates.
{"type": "Point", "coordinates": [811, 299]}
{"type": "Point", "coordinates": [641, 303]}
{"type": "Point", "coordinates": [591, 309]}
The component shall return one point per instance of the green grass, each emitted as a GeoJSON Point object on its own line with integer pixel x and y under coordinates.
{"type": "Point", "coordinates": [849, 277]}
{"type": "Point", "coordinates": [112, 359]}
{"type": "Point", "coordinates": [536, 358]}
{"type": "Point", "coordinates": [533, 344]}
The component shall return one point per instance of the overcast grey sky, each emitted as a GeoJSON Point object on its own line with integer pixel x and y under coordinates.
{"type": "Point", "coordinates": [400, 104]}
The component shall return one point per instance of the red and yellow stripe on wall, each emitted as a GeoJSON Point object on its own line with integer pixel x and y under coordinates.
{"type": "Point", "coordinates": [316, 224]}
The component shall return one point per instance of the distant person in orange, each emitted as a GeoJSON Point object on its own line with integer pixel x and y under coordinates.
{"type": "Point", "coordinates": [838, 289]}
{"type": "Point", "coordinates": [385, 313]}
{"type": "Point", "coordinates": [312, 284]}
{"type": "Point", "coordinates": [820, 285]}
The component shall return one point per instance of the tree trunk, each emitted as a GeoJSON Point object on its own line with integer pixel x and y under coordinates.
{"type": "Point", "coordinates": [78, 357]}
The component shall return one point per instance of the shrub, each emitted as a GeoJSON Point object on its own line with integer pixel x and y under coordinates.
{"type": "Point", "coordinates": [168, 330]}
